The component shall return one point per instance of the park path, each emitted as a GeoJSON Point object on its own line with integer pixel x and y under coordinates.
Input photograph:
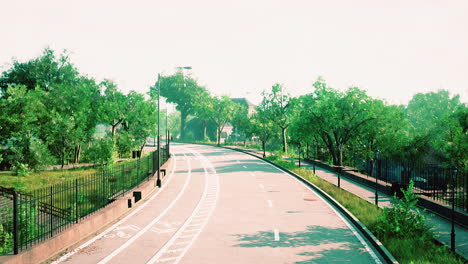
{"type": "Point", "coordinates": [223, 206]}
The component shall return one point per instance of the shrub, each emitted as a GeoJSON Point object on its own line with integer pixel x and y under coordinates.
{"type": "Point", "coordinates": [403, 219]}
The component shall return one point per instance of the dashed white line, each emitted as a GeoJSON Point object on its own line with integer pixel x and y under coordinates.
{"type": "Point", "coordinates": [261, 186]}
{"type": "Point", "coordinates": [277, 238]}
{"type": "Point", "coordinates": [270, 203]}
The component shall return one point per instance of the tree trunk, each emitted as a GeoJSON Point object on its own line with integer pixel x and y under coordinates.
{"type": "Point", "coordinates": [263, 147]}
{"type": "Point", "coordinates": [183, 120]}
{"type": "Point", "coordinates": [77, 154]}
{"type": "Point", "coordinates": [218, 136]}
{"type": "Point", "coordinates": [142, 146]}
{"type": "Point", "coordinates": [204, 132]}
{"type": "Point", "coordinates": [285, 143]}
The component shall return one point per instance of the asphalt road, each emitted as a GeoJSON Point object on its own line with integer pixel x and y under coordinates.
{"type": "Point", "coordinates": [222, 206]}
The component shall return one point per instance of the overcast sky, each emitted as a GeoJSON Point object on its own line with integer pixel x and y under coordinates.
{"type": "Point", "coordinates": [391, 48]}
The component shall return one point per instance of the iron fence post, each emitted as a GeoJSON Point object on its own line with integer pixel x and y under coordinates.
{"type": "Point", "coordinates": [15, 223]}
{"type": "Point", "coordinates": [76, 200]}
{"type": "Point", "coordinates": [452, 234]}
{"type": "Point", "coordinates": [122, 178]}
{"type": "Point", "coordinates": [50, 213]}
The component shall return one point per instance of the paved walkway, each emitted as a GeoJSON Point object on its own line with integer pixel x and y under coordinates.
{"type": "Point", "coordinates": [441, 226]}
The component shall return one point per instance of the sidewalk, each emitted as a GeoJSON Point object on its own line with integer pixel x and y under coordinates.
{"type": "Point", "coordinates": [441, 226]}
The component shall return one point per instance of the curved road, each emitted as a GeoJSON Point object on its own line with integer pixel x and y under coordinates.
{"type": "Point", "coordinates": [222, 206]}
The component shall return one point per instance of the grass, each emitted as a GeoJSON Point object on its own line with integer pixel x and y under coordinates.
{"type": "Point", "coordinates": [38, 180]}
{"type": "Point", "coordinates": [409, 250]}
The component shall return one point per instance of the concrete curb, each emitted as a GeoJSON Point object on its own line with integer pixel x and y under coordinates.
{"type": "Point", "coordinates": [363, 229]}
{"type": "Point", "coordinates": [90, 225]}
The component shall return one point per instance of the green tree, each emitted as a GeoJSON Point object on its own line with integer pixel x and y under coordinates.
{"type": "Point", "coordinates": [221, 110]}
{"type": "Point", "coordinates": [262, 126]}
{"type": "Point", "coordinates": [182, 91]}
{"type": "Point", "coordinates": [337, 117]}
{"type": "Point", "coordinates": [279, 109]}
{"type": "Point", "coordinates": [112, 106]}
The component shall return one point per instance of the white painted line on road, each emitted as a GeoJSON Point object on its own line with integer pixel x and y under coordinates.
{"type": "Point", "coordinates": [187, 236]}
{"type": "Point", "coordinates": [251, 173]}
{"type": "Point", "coordinates": [270, 203]}
{"type": "Point", "coordinates": [154, 221]}
{"type": "Point", "coordinates": [191, 230]}
{"type": "Point", "coordinates": [210, 180]}
{"type": "Point", "coordinates": [359, 237]}
{"type": "Point", "coordinates": [167, 259]}
{"type": "Point", "coordinates": [277, 238]}
{"type": "Point", "coordinates": [174, 250]}
{"type": "Point", "coordinates": [182, 243]}
{"type": "Point", "coordinates": [238, 161]}
{"type": "Point", "coordinates": [261, 186]}
{"type": "Point", "coordinates": [110, 229]}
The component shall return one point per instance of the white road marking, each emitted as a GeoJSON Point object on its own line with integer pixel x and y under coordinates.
{"type": "Point", "coordinates": [251, 173]}
{"type": "Point", "coordinates": [245, 167]}
{"type": "Point", "coordinates": [270, 203]}
{"type": "Point", "coordinates": [277, 238]}
{"type": "Point", "coordinates": [363, 242]}
{"type": "Point", "coordinates": [261, 186]}
{"type": "Point", "coordinates": [167, 259]}
{"type": "Point", "coordinates": [211, 178]}
{"type": "Point", "coordinates": [110, 229]}
{"type": "Point", "coordinates": [150, 225]}
{"type": "Point", "coordinates": [238, 161]}
{"type": "Point", "coordinates": [182, 243]}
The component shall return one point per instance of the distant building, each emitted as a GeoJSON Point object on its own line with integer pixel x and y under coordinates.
{"type": "Point", "coordinates": [243, 101]}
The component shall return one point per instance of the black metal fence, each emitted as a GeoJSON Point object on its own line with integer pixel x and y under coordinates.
{"type": "Point", "coordinates": [444, 184]}
{"type": "Point", "coordinates": [29, 218]}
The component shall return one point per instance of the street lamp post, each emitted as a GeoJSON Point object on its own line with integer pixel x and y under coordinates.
{"type": "Point", "coordinates": [158, 181]}
{"type": "Point", "coordinates": [377, 174]}
{"type": "Point", "coordinates": [454, 171]}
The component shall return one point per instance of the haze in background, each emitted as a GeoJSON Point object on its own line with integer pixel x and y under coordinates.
{"type": "Point", "coordinates": [393, 49]}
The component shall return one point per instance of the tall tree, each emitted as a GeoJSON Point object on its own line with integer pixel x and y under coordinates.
{"type": "Point", "coordinates": [221, 110]}
{"type": "Point", "coordinates": [112, 107]}
{"type": "Point", "coordinates": [337, 117]}
{"type": "Point", "coordinates": [182, 91]}
{"type": "Point", "coordinates": [279, 109]}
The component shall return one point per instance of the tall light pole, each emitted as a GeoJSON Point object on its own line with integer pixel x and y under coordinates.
{"type": "Point", "coordinates": [158, 181]}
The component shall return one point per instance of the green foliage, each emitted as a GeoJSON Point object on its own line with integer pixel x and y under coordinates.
{"type": "Point", "coordinates": [102, 151]}
{"type": "Point", "coordinates": [183, 91]}
{"type": "Point", "coordinates": [22, 169]}
{"type": "Point", "coordinates": [6, 240]}
{"type": "Point", "coordinates": [278, 108]}
{"type": "Point", "coordinates": [282, 162]}
{"type": "Point", "coordinates": [49, 111]}
{"type": "Point", "coordinates": [403, 219]}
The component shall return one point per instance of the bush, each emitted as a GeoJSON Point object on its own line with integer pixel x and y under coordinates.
{"type": "Point", "coordinates": [403, 219]}
{"type": "Point", "coordinates": [102, 151]}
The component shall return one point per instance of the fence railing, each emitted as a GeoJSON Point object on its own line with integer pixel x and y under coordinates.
{"type": "Point", "coordinates": [29, 218]}
{"type": "Point", "coordinates": [444, 184]}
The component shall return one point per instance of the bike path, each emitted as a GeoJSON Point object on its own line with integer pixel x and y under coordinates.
{"type": "Point", "coordinates": [236, 209]}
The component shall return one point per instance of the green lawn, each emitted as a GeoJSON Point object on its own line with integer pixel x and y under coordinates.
{"type": "Point", "coordinates": [38, 180]}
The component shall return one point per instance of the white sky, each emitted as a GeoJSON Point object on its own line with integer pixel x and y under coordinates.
{"type": "Point", "coordinates": [391, 48]}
